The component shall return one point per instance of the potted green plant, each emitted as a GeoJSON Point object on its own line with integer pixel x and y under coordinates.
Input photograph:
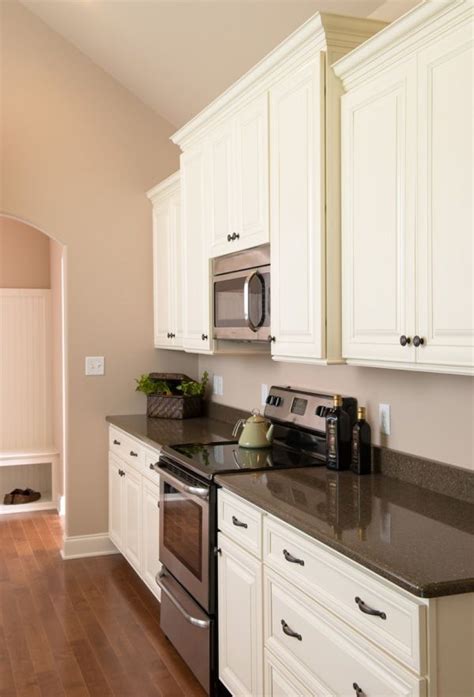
{"type": "Point", "coordinates": [172, 395]}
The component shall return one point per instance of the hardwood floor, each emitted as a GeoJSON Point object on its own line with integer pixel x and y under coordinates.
{"type": "Point", "coordinates": [81, 628]}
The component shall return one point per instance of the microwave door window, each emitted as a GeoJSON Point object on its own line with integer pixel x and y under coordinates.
{"type": "Point", "coordinates": [229, 302]}
{"type": "Point", "coordinates": [256, 301]}
{"type": "Point", "coordinates": [183, 529]}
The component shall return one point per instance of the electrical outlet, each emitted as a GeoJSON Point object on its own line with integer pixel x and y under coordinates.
{"type": "Point", "coordinates": [384, 419]}
{"type": "Point", "coordinates": [95, 365]}
{"type": "Point", "coordinates": [218, 385]}
{"type": "Point", "coordinates": [264, 394]}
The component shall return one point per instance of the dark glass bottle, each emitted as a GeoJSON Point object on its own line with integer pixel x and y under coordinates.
{"type": "Point", "coordinates": [338, 436]}
{"type": "Point", "coordinates": [361, 460]}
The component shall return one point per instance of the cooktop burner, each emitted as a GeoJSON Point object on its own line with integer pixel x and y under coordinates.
{"type": "Point", "coordinates": [216, 458]}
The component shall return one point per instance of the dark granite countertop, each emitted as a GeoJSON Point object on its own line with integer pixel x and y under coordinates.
{"type": "Point", "coordinates": [420, 540]}
{"type": "Point", "coordinates": [156, 432]}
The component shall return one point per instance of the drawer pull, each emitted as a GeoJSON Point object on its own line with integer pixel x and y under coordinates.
{"type": "Point", "coordinates": [121, 473]}
{"type": "Point", "coordinates": [116, 442]}
{"type": "Point", "coordinates": [133, 454]}
{"type": "Point", "coordinates": [358, 690]}
{"type": "Point", "coordinates": [238, 523]}
{"type": "Point", "coordinates": [368, 610]}
{"type": "Point", "coordinates": [289, 632]}
{"type": "Point", "coordinates": [291, 558]}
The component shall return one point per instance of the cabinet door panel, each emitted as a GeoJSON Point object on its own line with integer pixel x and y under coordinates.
{"type": "Point", "coordinates": [378, 180]}
{"type": "Point", "coordinates": [151, 534]}
{"type": "Point", "coordinates": [221, 190]}
{"type": "Point", "coordinates": [240, 625]}
{"type": "Point", "coordinates": [176, 271]}
{"type": "Point", "coordinates": [131, 517]}
{"type": "Point", "coordinates": [297, 214]}
{"type": "Point", "coordinates": [252, 185]}
{"type": "Point", "coordinates": [196, 282]}
{"type": "Point", "coordinates": [115, 502]}
{"type": "Point", "coordinates": [161, 273]}
{"type": "Point", "coordinates": [445, 251]}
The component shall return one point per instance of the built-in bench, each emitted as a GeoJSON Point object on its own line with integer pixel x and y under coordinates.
{"type": "Point", "coordinates": [36, 470]}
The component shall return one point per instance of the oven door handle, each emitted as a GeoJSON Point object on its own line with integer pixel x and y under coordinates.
{"type": "Point", "coordinates": [201, 492]}
{"type": "Point", "coordinates": [248, 280]}
{"type": "Point", "coordinates": [195, 621]}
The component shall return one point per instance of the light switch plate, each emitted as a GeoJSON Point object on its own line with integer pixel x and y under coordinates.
{"type": "Point", "coordinates": [95, 365]}
{"type": "Point", "coordinates": [218, 385]}
{"type": "Point", "coordinates": [263, 394]}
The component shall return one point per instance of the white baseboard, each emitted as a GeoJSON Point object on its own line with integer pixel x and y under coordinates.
{"type": "Point", "coordinates": [79, 546]}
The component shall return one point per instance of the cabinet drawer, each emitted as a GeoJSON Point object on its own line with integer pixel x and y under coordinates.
{"type": "Point", "coordinates": [279, 682]}
{"type": "Point", "coordinates": [240, 521]}
{"type": "Point", "coordinates": [312, 642]}
{"type": "Point", "coordinates": [348, 591]}
{"type": "Point", "coordinates": [127, 448]}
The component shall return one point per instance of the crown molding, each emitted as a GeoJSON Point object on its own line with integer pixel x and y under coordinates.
{"type": "Point", "coordinates": [321, 32]}
{"type": "Point", "coordinates": [165, 187]}
{"type": "Point", "coordinates": [398, 39]}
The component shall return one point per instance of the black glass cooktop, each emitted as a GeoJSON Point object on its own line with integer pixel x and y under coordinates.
{"type": "Point", "coordinates": [216, 458]}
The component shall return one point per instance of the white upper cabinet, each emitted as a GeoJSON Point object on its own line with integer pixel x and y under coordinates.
{"type": "Point", "coordinates": [378, 179]}
{"type": "Point", "coordinates": [197, 330]}
{"type": "Point", "coordinates": [167, 251]}
{"type": "Point", "coordinates": [238, 180]}
{"type": "Point", "coordinates": [407, 164]}
{"type": "Point", "coordinates": [297, 213]}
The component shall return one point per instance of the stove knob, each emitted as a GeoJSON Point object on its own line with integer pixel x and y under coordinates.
{"type": "Point", "coordinates": [278, 401]}
{"type": "Point", "coordinates": [269, 399]}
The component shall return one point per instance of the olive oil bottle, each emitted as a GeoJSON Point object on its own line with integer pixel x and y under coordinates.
{"type": "Point", "coordinates": [361, 460]}
{"type": "Point", "coordinates": [338, 436]}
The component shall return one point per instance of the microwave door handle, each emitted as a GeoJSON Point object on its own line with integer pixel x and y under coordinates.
{"type": "Point", "coordinates": [248, 280]}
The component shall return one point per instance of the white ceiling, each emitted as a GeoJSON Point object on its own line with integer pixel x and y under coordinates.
{"type": "Point", "coordinates": [177, 55]}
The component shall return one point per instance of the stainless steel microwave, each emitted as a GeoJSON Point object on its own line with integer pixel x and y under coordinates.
{"type": "Point", "coordinates": [241, 284]}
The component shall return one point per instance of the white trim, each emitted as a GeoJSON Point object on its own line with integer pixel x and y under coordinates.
{"type": "Point", "coordinates": [61, 507]}
{"type": "Point", "coordinates": [79, 546]}
{"type": "Point", "coordinates": [12, 509]}
{"type": "Point", "coordinates": [163, 188]}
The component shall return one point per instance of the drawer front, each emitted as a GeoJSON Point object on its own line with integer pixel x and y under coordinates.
{"type": "Point", "coordinates": [350, 593]}
{"type": "Point", "coordinates": [127, 448]}
{"type": "Point", "coordinates": [312, 642]}
{"type": "Point", "coordinates": [241, 522]}
{"type": "Point", "coordinates": [279, 682]}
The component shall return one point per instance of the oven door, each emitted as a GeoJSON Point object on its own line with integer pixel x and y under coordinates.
{"type": "Point", "coordinates": [242, 305]}
{"type": "Point", "coordinates": [184, 530]}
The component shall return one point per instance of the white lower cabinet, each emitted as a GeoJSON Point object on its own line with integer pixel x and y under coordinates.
{"type": "Point", "coordinates": [151, 533]}
{"type": "Point", "coordinates": [291, 625]}
{"type": "Point", "coordinates": [240, 620]}
{"type": "Point", "coordinates": [134, 520]}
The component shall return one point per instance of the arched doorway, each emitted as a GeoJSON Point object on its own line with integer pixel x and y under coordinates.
{"type": "Point", "coordinates": [33, 429]}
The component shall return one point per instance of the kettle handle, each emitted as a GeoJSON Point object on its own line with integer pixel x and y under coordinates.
{"type": "Point", "coordinates": [237, 427]}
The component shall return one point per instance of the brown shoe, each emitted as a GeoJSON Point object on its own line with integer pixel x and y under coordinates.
{"type": "Point", "coordinates": [21, 496]}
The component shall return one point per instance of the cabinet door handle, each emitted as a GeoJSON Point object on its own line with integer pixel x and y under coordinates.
{"type": "Point", "coordinates": [405, 340]}
{"type": "Point", "coordinates": [238, 523]}
{"type": "Point", "coordinates": [271, 339]}
{"type": "Point", "coordinates": [133, 454]}
{"type": "Point", "coordinates": [204, 337]}
{"type": "Point", "coordinates": [121, 473]}
{"type": "Point", "coordinates": [229, 238]}
{"type": "Point", "coordinates": [368, 610]}
{"type": "Point", "coordinates": [294, 560]}
{"type": "Point", "coordinates": [358, 690]}
{"type": "Point", "coordinates": [172, 335]}
{"type": "Point", "coordinates": [418, 341]}
{"type": "Point", "coordinates": [235, 236]}
{"type": "Point", "coordinates": [116, 442]}
{"type": "Point", "coordinates": [289, 632]}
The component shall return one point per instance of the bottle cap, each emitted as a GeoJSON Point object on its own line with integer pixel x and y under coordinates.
{"type": "Point", "coordinates": [337, 400]}
{"type": "Point", "coordinates": [361, 412]}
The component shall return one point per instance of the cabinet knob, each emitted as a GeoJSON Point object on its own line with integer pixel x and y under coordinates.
{"type": "Point", "coordinates": [229, 238]}
{"type": "Point", "coordinates": [168, 336]}
{"type": "Point", "coordinates": [404, 340]}
{"type": "Point", "coordinates": [418, 341]}
{"type": "Point", "coordinates": [133, 454]}
{"type": "Point", "coordinates": [235, 236]}
{"type": "Point", "coordinates": [271, 339]}
{"type": "Point", "coordinates": [116, 442]}
{"type": "Point", "coordinates": [171, 335]}
{"type": "Point", "coordinates": [358, 690]}
{"type": "Point", "coordinates": [121, 473]}
{"type": "Point", "coordinates": [204, 337]}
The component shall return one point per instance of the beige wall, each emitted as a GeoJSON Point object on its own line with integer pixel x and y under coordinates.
{"type": "Point", "coordinates": [431, 415]}
{"type": "Point", "coordinates": [24, 255]}
{"type": "Point", "coordinates": [78, 153]}
{"type": "Point", "coordinates": [57, 263]}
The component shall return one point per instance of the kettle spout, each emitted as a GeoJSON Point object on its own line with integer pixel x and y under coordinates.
{"type": "Point", "coordinates": [270, 433]}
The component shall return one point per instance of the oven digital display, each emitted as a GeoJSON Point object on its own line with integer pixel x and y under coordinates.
{"type": "Point", "coordinates": [299, 406]}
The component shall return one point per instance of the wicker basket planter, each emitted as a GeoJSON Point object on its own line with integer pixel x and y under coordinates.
{"type": "Point", "coordinates": [174, 406]}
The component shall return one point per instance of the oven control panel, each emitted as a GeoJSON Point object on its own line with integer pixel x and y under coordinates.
{"type": "Point", "coordinates": [299, 407]}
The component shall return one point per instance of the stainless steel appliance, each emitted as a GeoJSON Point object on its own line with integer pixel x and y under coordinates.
{"type": "Point", "coordinates": [241, 283]}
{"type": "Point", "coordinates": [188, 516]}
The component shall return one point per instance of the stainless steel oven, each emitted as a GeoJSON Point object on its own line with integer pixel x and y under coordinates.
{"type": "Point", "coordinates": [242, 295]}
